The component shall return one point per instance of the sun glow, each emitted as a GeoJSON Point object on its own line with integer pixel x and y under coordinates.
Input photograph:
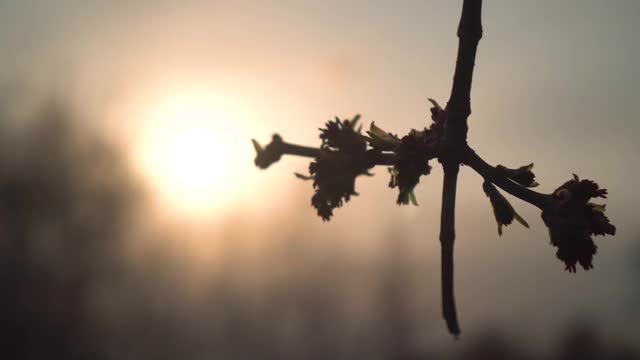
{"type": "Point", "coordinates": [185, 151]}
{"type": "Point", "coordinates": [191, 163]}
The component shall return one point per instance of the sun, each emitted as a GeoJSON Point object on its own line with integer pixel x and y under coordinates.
{"type": "Point", "coordinates": [191, 164]}
{"type": "Point", "coordinates": [184, 152]}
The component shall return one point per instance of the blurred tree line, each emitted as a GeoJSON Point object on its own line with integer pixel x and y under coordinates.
{"type": "Point", "coordinates": [68, 290]}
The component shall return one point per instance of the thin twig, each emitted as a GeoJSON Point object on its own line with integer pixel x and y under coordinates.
{"type": "Point", "coordinates": [267, 155]}
{"type": "Point", "coordinates": [490, 173]}
{"type": "Point", "coordinates": [455, 138]}
{"type": "Point", "coordinates": [447, 240]}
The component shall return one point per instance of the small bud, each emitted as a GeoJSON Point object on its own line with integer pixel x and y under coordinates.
{"type": "Point", "coordinates": [439, 118]}
{"type": "Point", "coordinates": [270, 154]}
{"type": "Point", "coordinates": [522, 175]}
{"type": "Point", "coordinates": [381, 139]}
{"type": "Point", "coordinates": [502, 209]}
{"type": "Point", "coordinates": [438, 114]}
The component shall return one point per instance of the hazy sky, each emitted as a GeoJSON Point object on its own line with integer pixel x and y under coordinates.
{"type": "Point", "coordinates": [556, 83]}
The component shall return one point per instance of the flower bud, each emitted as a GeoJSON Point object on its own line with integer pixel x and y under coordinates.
{"type": "Point", "coordinates": [522, 175]}
{"type": "Point", "coordinates": [381, 139]}
{"type": "Point", "coordinates": [502, 209]}
{"type": "Point", "coordinates": [270, 154]}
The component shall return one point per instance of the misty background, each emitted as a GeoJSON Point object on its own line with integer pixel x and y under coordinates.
{"type": "Point", "coordinates": [96, 266]}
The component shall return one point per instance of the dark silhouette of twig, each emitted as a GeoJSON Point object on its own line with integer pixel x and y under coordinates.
{"type": "Point", "coordinates": [455, 137]}
{"type": "Point", "coordinates": [344, 155]}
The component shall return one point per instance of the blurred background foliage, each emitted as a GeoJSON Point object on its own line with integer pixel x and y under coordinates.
{"type": "Point", "coordinates": [77, 284]}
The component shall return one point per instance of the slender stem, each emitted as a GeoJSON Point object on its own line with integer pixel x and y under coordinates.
{"type": "Point", "coordinates": [455, 138]}
{"type": "Point", "coordinates": [299, 150]}
{"type": "Point", "coordinates": [493, 175]}
{"type": "Point", "coordinates": [266, 156]}
{"type": "Point", "coordinates": [459, 105]}
{"type": "Point", "coordinates": [447, 240]}
{"type": "Point", "coordinates": [386, 159]}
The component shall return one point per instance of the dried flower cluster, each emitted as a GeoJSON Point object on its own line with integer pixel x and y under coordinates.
{"type": "Point", "coordinates": [572, 220]}
{"type": "Point", "coordinates": [412, 153]}
{"type": "Point", "coordinates": [343, 157]}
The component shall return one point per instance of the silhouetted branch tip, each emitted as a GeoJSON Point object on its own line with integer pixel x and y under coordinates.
{"type": "Point", "coordinates": [269, 154]}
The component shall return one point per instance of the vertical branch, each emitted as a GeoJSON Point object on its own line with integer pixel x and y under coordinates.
{"type": "Point", "coordinates": [447, 239]}
{"type": "Point", "coordinates": [455, 138]}
{"type": "Point", "coordinates": [459, 105]}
